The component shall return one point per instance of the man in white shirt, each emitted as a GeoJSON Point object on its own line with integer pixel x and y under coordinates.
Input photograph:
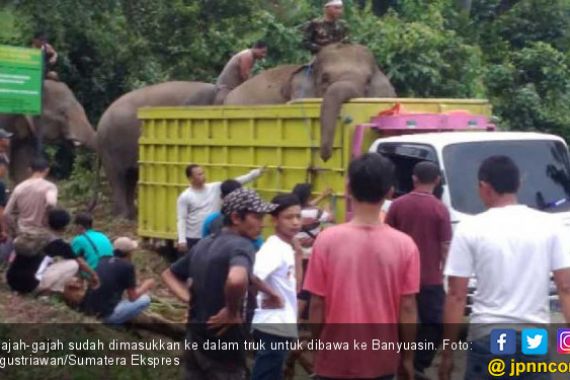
{"type": "Point", "coordinates": [512, 250]}
{"type": "Point", "coordinates": [198, 201]}
{"type": "Point", "coordinates": [278, 271]}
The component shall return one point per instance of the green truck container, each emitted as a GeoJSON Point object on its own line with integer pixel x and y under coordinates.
{"type": "Point", "coordinates": [231, 140]}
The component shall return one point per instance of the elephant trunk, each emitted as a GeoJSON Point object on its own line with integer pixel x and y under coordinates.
{"type": "Point", "coordinates": [82, 132]}
{"type": "Point", "coordinates": [334, 97]}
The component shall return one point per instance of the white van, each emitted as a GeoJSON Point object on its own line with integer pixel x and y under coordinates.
{"type": "Point", "coordinates": [543, 161]}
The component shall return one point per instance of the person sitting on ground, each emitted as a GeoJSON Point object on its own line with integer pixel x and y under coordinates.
{"type": "Point", "coordinates": [88, 243]}
{"type": "Point", "coordinates": [117, 274]}
{"type": "Point", "coordinates": [214, 222]}
{"type": "Point", "coordinates": [238, 70]}
{"type": "Point", "coordinates": [30, 201]}
{"type": "Point", "coordinates": [40, 272]}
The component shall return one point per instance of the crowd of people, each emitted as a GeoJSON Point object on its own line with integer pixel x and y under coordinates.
{"type": "Point", "coordinates": [90, 271]}
{"type": "Point", "coordinates": [361, 279]}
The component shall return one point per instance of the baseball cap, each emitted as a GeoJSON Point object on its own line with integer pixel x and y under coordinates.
{"type": "Point", "coordinates": [246, 200]}
{"type": "Point", "coordinates": [124, 244]}
{"type": "Point", "coordinates": [4, 134]}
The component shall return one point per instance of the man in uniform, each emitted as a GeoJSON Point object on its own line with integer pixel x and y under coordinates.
{"type": "Point", "coordinates": [326, 30]}
{"type": "Point", "coordinates": [238, 70]}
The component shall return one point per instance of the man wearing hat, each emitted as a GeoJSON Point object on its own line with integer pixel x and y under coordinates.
{"type": "Point", "coordinates": [326, 30]}
{"type": "Point", "coordinates": [219, 269]}
{"type": "Point", "coordinates": [117, 274]}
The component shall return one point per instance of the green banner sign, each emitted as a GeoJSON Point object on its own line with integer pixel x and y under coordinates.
{"type": "Point", "coordinates": [21, 79]}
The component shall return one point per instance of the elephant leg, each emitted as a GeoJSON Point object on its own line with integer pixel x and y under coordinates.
{"type": "Point", "coordinates": [21, 155]}
{"type": "Point", "coordinates": [131, 191]}
{"type": "Point", "coordinates": [221, 95]}
{"type": "Point", "coordinates": [117, 179]}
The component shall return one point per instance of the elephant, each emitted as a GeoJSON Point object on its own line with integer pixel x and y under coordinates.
{"type": "Point", "coordinates": [118, 132]}
{"type": "Point", "coordinates": [63, 119]}
{"type": "Point", "coordinates": [338, 73]}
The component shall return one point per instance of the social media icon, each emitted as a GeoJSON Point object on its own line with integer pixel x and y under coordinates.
{"type": "Point", "coordinates": [563, 341]}
{"type": "Point", "coordinates": [504, 342]}
{"type": "Point", "coordinates": [535, 342]}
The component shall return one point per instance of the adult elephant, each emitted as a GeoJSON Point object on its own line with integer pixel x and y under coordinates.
{"type": "Point", "coordinates": [119, 130]}
{"type": "Point", "coordinates": [63, 120]}
{"type": "Point", "coordinates": [339, 73]}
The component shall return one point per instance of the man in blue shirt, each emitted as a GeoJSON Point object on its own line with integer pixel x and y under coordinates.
{"type": "Point", "coordinates": [90, 244]}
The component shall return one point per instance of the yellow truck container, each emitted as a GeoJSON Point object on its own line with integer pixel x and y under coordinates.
{"type": "Point", "coordinates": [231, 140]}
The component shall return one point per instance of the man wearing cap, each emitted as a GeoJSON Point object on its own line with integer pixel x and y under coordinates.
{"type": "Point", "coordinates": [219, 269]}
{"type": "Point", "coordinates": [117, 274]}
{"type": "Point", "coordinates": [326, 30]}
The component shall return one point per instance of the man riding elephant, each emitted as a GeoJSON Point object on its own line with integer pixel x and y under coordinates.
{"type": "Point", "coordinates": [326, 30]}
{"type": "Point", "coordinates": [238, 70]}
{"type": "Point", "coordinates": [40, 41]}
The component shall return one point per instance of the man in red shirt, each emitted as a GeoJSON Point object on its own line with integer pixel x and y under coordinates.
{"type": "Point", "coordinates": [425, 218]}
{"type": "Point", "coordinates": [363, 277]}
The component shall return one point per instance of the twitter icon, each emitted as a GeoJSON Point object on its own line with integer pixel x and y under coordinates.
{"type": "Point", "coordinates": [534, 342]}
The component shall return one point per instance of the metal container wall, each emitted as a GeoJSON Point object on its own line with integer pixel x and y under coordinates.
{"type": "Point", "coordinates": [228, 141]}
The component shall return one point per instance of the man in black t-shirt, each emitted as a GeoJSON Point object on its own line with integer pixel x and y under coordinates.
{"type": "Point", "coordinates": [40, 270]}
{"type": "Point", "coordinates": [220, 268]}
{"type": "Point", "coordinates": [117, 275]}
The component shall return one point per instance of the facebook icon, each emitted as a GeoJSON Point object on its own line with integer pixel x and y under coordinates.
{"type": "Point", "coordinates": [503, 342]}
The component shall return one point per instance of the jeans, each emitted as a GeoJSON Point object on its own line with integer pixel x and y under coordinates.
{"type": "Point", "coordinates": [191, 242]}
{"type": "Point", "coordinates": [268, 363]}
{"type": "Point", "coordinates": [127, 310]}
{"type": "Point", "coordinates": [430, 309]}
{"type": "Point", "coordinates": [480, 355]}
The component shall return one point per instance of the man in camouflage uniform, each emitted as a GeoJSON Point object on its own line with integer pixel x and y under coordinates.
{"type": "Point", "coordinates": [326, 30]}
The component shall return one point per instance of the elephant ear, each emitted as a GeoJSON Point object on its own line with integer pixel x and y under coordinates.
{"type": "Point", "coordinates": [380, 86]}
{"type": "Point", "coordinates": [300, 84]}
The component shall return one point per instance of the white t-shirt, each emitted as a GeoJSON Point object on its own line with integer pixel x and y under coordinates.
{"type": "Point", "coordinates": [275, 265]}
{"type": "Point", "coordinates": [194, 206]}
{"type": "Point", "coordinates": [511, 251]}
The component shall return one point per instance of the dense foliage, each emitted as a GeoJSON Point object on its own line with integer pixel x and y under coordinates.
{"type": "Point", "coordinates": [513, 52]}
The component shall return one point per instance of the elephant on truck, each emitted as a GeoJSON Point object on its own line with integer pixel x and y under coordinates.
{"type": "Point", "coordinates": [339, 73]}
{"type": "Point", "coordinates": [63, 119]}
{"type": "Point", "coordinates": [118, 133]}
